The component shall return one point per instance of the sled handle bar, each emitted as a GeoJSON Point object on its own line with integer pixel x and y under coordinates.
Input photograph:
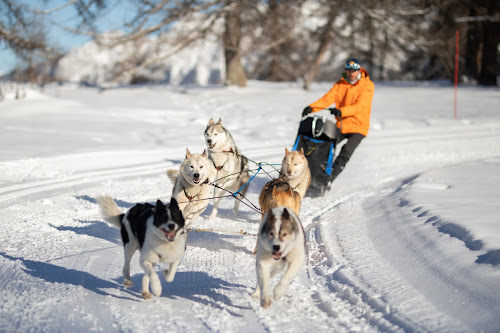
{"type": "Point", "coordinates": [307, 115]}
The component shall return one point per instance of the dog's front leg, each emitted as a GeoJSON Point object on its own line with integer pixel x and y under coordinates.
{"type": "Point", "coordinates": [217, 194]}
{"type": "Point", "coordinates": [263, 282]}
{"type": "Point", "coordinates": [170, 272]}
{"type": "Point", "coordinates": [152, 277]}
{"type": "Point", "coordinates": [287, 278]}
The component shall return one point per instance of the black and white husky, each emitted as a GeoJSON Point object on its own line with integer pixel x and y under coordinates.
{"type": "Point", "coordinates": [231, 165]}
{"type": "Point", "coordinates": [158, 231]}
{"type": "Point", "coordinates": [281, 245]}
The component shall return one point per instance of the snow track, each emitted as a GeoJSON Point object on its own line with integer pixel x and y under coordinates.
{"type": "Point", "coordinates": [215, 278]}
{"type": "Point", "coordinates": [379, 259]}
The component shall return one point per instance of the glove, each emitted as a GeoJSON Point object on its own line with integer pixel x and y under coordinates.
{"type": "Point", "coordinates": [336, 112]}
{"type": "Point", "coordinates": [306, 111]}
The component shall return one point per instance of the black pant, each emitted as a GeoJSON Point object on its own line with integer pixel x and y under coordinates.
{"type": "Point", "coordinates": [353, 140]}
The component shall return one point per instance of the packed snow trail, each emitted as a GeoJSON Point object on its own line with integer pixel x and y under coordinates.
{"type": "Point", "coordinates": [380, 257]}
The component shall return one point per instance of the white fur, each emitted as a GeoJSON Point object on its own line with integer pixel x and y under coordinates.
{"type": "Point", "coordinates": [291, 252]}
{"type": "Point", "coordinates": [192, 195]}
{"type": "Point", "coordinates": [227, 158]}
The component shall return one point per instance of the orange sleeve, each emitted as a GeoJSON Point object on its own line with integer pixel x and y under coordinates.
{"type": "Point", "coordinates": [328, 99]}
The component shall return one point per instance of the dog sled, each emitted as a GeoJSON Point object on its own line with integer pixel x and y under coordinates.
{"type": "Point", "coordinates": [318, 136]}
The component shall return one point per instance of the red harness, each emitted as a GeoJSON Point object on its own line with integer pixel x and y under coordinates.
{"type": "Point", "coordinates": [219, 168]}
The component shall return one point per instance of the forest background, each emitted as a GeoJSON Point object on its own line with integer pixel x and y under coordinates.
{"type": "Point", "coordinates": [274, 40]}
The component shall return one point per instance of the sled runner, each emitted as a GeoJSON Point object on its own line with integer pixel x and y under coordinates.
{"type": "Point", "coordinates": [318, 136]}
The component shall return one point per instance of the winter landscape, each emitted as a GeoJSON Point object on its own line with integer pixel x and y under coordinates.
{"type": "Point", "coordinates": [407, 240]}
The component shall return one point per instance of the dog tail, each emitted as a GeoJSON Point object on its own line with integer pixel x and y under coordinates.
{"type": "Point", "coordinates": [173, 175]}
{"type": "Point", "coordinates": [110, 211]}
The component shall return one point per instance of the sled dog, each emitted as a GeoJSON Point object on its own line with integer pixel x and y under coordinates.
{"type": "Point", "coordinates": [281, 246]}
{"type": "Point", "coordinates": [295, 170]}
{"type": "Point", "coordinates": [230, 164]}
{"type": "Point", "coordinates": [278, 193]}
{"type": "Point", "coordinates": [157, 231]}
{"type": "Point", "coordinates": [191, 184]}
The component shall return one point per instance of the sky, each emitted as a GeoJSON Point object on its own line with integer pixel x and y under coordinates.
{"type": "Point", "coordinates": [117, 12]}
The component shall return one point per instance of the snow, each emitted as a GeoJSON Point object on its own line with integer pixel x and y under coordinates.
{"type": "Point", "coordinates": [408, 239]}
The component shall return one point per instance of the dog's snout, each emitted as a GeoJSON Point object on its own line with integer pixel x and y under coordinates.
{"type": "Point", "coordinates": [171, 226]}
{"type": "Point", "coordinates": [209, 141]}
{"type": "Point", "coordinates": [196, 175]}
{"type": "Point", "coordinates": [276, 248]}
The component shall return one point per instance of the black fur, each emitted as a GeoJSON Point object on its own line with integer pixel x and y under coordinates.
{"type": "Point", "coordinates": [137, 216]}
{"type": "Point", "coordinates": [140, 213]}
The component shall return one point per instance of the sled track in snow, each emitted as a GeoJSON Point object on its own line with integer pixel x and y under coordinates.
{"type": "Point", "coordinates": [336, 287]}
{"type": "Point", "coordinates": [42, 188]}
{"type": "Point", "coordinates": [341, 286]}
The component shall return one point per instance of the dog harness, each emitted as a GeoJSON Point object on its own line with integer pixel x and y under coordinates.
{"type": "Point", "coordinates": [191, 198]}
{"type": "Point", "coordinates": [219, 168]}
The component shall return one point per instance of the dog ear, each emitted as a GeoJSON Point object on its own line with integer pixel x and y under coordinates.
{"type": "Point", "coordinates": [302, 151]}
{"type": "Point", "coordinates": [204, 154]}
{"type": "Point", "coordinates": [175, 211]}
{"type": "Point", "coordinates": [286, 214]}
{"type": "Point", "coordinates": [287, 151]}
{"type": "Point", "coordinates": [270, 215]}
{"type": "Point", "coordinates": [210, 122]}
{"type": "Point", "coordinates": [275, 191]}
{"type": "Point", "coordinates": [220, 121]}
{"type": "Point", "coordinates": [188, 153]}
{"type": "Point", "coordinates": [173, 203]}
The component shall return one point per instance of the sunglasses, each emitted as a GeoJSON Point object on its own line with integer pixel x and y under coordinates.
{"type": "Point", "coordinates": [351, 65]}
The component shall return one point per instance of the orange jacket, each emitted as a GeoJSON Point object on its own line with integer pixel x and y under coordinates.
{"type": "Point", "coordinates": [353, 100]}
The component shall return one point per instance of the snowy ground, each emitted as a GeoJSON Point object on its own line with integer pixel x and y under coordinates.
{"type": "Point", "coordinates": [407, 240]}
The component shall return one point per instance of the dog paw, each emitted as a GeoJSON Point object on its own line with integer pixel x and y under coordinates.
{"type": "Point", "coordinates": [127, 283]}
{"type": "Point", "coordinates": [256, 293]}
{"type": "Point", "coordinates": [146, 295]}
{"type": "Point", "coordinates": [169, 276]}
{"type": "Point", "coordinates": [278, 293]}
{"type": "Point", "coordinates": [265, 302]}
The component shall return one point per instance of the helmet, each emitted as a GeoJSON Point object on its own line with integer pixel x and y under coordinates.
{"type": "Point", "coordinates": [353, 64]}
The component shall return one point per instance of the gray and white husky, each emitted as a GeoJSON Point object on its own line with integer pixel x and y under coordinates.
{"type": "Point", "coordinates": [157, 230]}
{"type": "Point", "coordinates": [281, 245]}
{"type": "Point", "coordinates": [192, 188]}
{"type": "Point", "coordinates": [230, 164]}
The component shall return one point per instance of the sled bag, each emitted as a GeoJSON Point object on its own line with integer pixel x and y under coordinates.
{"type": "Point", "coordinates": [319, 155]}
{"type": "Point", "coordinates": [319, 128]}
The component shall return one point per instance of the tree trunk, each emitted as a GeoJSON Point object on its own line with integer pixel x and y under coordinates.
{"type": "Point", "coordinates": [491, 38]}
{"type": "Point", "coordinates": [323, 46]}
{"type": "Point", "coordinates": [235, 74]}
